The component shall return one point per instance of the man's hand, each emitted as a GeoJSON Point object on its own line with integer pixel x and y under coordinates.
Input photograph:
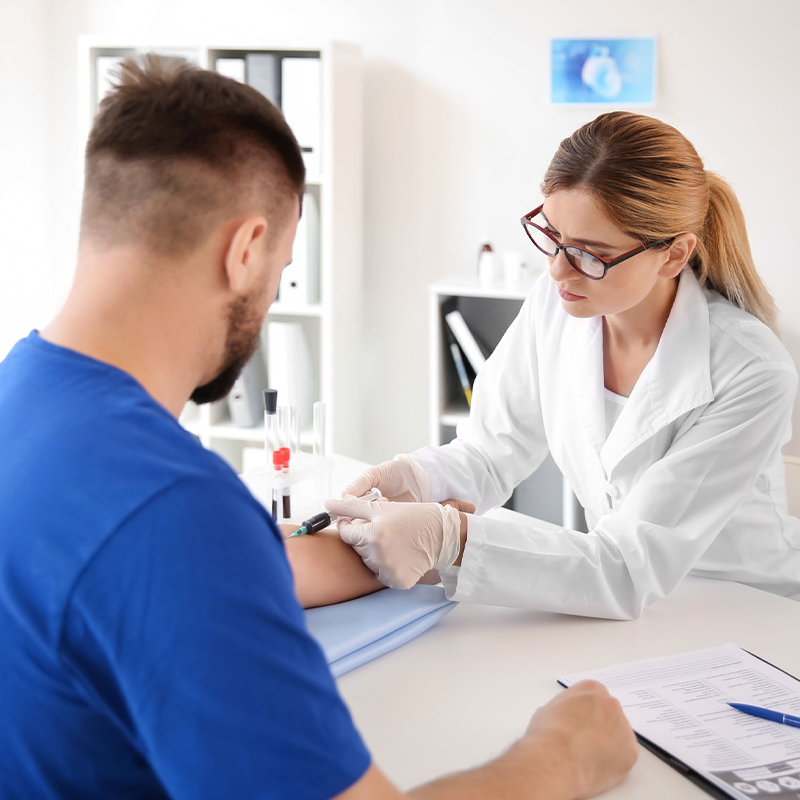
{"type": "Point", "coordinates": [591, 743]}
{"type": "Point", "coordinates": [576, 746]}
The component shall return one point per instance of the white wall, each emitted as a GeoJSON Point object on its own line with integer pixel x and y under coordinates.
{"type": "Point", "coordinates": [24, 170]}
{"type": "Point", "coordinates": [458, 134]}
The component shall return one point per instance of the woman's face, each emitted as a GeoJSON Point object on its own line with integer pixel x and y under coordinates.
{"type": "Point", "coordinates": [574, 217]}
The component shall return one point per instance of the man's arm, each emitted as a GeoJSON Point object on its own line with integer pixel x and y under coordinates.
{"type": "Point", "coordinates": [576, 746]}
{"type": "Point", "coordinates": [326, 570]}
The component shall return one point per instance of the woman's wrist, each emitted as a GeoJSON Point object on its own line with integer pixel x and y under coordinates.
{"type": "Point", "coordinates": [462, 537]}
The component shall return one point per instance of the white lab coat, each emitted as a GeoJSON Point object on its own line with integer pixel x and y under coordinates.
{"type": "Point", "coordinates": [690, 479]}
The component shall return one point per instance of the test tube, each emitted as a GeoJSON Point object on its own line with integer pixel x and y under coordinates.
{"type": "Point", "coordinates": [294, 428]}
{"type": "Point", "coordinates": [277, 459]}
{"type": "Point", "coordinates": [283, 426]}
{"type": "Point", "coordinates": [270, 423]}
{"type": "Point", "coordinates": [283, 445]}
{"type": "Point", "coordinates": [319, 429]}
{"type": "Point", "coordinates": [287, 492]}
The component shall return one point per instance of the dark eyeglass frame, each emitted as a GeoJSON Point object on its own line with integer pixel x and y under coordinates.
{"type": "Point", "coordinates": [606, 262]}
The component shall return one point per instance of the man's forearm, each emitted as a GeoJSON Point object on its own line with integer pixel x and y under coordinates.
{"type": "Point", "coordinates": [327, 571]}
{"type": "Point", "coordinates": [528, 771]}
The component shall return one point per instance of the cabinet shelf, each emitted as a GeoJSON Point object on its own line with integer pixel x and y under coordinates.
{"type": "Point", "coordinates": [472, 286]}
{"type": "Point", "coordinates": [282, 310]}
{"type": "Point", "coordinates": [227, 431]}
{"type": "Point", "coordinates": [453, 413]}
{"type": "Point", "coordinates": [234, 433]}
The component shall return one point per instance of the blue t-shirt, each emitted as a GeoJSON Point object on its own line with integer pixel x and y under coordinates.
{"type": "Point", "coordinates": [150, 641]}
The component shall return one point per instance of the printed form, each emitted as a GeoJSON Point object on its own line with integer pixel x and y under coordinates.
{"type": "Point", "coordinates": [679, 703]}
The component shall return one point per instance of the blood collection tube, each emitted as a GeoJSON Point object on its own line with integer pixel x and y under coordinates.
{"type": "Point", "coordinates": [277, 462]}
{"type": "Point", "coordinates": [286, 454]}
{"type": "Point", "coordinates": [270, 423]}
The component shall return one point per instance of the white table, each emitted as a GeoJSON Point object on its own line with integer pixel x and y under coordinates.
{"type": "Point", "coordinates": [463, 691]}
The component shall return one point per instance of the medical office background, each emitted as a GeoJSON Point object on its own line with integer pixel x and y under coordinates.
{"type": "Point", "coordinates": [458, 131]}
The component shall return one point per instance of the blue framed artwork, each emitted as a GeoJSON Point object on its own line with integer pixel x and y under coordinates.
{"type": "Point", "coordinates": [614, 72]}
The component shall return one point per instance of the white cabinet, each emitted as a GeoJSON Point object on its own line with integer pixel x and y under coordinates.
{"type": "Point", "coordinates": [334, 160]}
{"type": "Point", "coordinates": [488, 310]}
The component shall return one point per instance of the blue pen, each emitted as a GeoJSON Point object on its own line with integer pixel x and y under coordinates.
{"type": "Point", "coordinates": [766, 713]}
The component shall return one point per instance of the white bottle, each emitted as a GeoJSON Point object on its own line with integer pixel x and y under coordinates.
{"type": "Point", "coordinates": [515, 272]}
{"type": "Point", "coordinates": [489, 270]}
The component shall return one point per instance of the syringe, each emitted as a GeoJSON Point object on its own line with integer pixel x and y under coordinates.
{"type": "Point", "coordinates": [321, 521]}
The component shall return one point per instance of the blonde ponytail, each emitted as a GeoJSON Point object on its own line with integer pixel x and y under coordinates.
{"type": "Point", "coordinates": [651, 183]}
{"type": "Point", "coordinates": [722, 259]}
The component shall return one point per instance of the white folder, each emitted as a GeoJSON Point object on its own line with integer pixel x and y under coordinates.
{"type": "Point", "coordinates": [245, 398]}
{"type": "Point", "coordinates": [106, 72]}
{"type": "Point", "coordinates": [231, 68]}
{"type": "Point", "coordinates": [301, 98]}
{"type": "Point", "coordinates": [300, 280]}
{"type": "Point", "coordinates": [289, 368]}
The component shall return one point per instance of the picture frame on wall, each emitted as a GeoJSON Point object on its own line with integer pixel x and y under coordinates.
{"type": "Point", "coordinates": [603, 71]}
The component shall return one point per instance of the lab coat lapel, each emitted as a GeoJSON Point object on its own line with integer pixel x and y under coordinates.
{"type": "Point", "coordinates": [585, 350]}
{"type": "Point", "coordinates": [676, 380]}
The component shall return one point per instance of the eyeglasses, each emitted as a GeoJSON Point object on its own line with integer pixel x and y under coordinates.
{"type": "Point", "coordinates": [586, 262]}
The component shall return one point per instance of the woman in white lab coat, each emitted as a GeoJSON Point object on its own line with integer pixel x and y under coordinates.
{"type": "Point", "coordinates": [645, 363]}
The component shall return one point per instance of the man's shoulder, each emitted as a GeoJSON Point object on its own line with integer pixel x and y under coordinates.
{"type": "Point", "coordinates": [86, 449]}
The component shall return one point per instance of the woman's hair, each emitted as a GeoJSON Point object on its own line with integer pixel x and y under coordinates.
{"type": "Point", "coordinates": [652, 185]}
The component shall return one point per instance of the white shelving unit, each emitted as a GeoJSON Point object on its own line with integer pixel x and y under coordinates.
{"type": "Point", "coordinates": [488, 310]}
{"type": "Point", "coordinates": [331, 329]}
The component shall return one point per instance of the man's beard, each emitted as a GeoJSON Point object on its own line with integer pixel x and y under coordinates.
{"type": "Point", "coordinates": [242, 340]}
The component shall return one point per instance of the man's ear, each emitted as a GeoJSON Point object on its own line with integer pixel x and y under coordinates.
{"type": "Point", "coordinates": [678, 255]}
{"type": "Point", "coordinates": [242, 256]}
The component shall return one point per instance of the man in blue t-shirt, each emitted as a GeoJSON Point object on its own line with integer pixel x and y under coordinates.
{"type": "Point", "coordinates": [150, 641]}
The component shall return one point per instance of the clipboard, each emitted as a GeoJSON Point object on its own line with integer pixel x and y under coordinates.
{"type": "Point", "coordinates": [690, 772]}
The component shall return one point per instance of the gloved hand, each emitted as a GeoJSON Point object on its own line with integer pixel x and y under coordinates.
{"type": "Point", "coordinates": [401, 480]}
{"type": "Point", "coordinates": [399, 542]}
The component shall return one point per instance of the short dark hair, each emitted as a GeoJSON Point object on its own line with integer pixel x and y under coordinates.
{"type": "Point", "coordinates": [175, 150]}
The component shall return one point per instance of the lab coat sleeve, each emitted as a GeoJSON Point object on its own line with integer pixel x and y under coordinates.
{"type": "Point", "coordinates": [664, 525]}
{"type": "Point", "coordinates": [503, 440]}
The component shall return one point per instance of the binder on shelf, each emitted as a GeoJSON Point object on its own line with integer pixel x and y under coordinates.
{"type": "Point", "coordinates": [106, 73]}
{"type": "Point", "coordinates": [289, 366]}
{"type": "Point", "coordinates": [300, 280]}
{"type": "Point", "coordinates": [476, 354]}
{"type": "Point", "coordinates": [231, 68]}
{"type": "Point", "coordinates": [244, 399]}
{"type": "Point", "coordinates": [301, 91]}
{"type": "Point", "coordinates": [461, 369]}
{"type": "Point", "coordinates": [263, 74]}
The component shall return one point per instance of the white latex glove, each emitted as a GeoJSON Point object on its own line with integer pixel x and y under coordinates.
{"type": "Point", "coordinates": [399, 542]}
{"type": "Point", "coordinates": [401, 480]}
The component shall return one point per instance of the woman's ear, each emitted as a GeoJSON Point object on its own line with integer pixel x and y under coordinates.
{"type": "Point", "coordinates": [243, 255]}
{"type": "Point", "coordinates": [678, 255]}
